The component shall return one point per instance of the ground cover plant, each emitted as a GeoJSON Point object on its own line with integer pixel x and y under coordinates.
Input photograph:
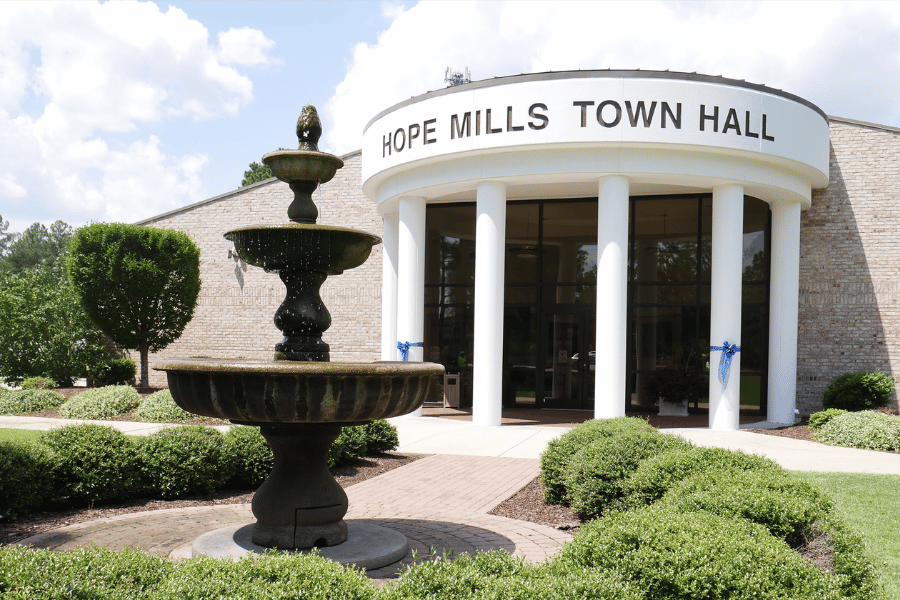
{"type": "Point", "coordinates": [101, 403]}
{"type": "Point", "coordinates": [870, 430]}
{"type": "Point", "coordinates": [159, 407]}
{"type": "Point", "coordinates": [22, 402]}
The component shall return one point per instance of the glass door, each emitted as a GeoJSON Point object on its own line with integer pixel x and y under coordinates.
{"type": "Point", "coordinates": [568, 358]}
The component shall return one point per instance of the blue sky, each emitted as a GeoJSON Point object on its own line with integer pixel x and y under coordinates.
{"type": "Point", "coordinates": [120, 111]}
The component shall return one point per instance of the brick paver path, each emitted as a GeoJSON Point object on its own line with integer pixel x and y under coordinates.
{"type": "Point", "coordinates": [437, 502]}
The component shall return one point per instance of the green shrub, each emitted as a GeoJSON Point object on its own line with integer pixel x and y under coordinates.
{"type": "Point", "coordinates": [654, 476]}
{"type": "Point", "coordinates": [101, 403]}
{"type": "Point", "coordinates": [268, 577]}
{"type": "Point", "coordinates": [28, 477]}
{"type": "Point", "coordinates": [248, 455]}
{"type": "Point", "coordinates": [115, 371]}
{"type": "Point", "coordinates": [817, 419]}
{"type": "Point", "coordinates": [28, 401]}
{"type": "Point", "coordinates": [96, 463]}
{"type": "Point", "coordinates": [596, 473]}
{"type": "Point", "coordinates": [555, 458]}
{"type": "Point", "coordinates": [867, 429]}
{"type": "Point", "coordinates": [184, 460]}
{"type": "Point", "coordinates": [85, 573]}
{"type": "Point", "coordinates": [38, 383]}
{"type": "Point", "coordinates": [349, 446]}
{"type": "Point", "coordinates": [786, 506]}
{"type": "Point", "coordinates": [159, 407]}
{"type": "Point", "coordinates": [855, 572]}
{"type": "Point", "coordinates": [669, 555]}
{"type": "Point", "coordinates": [381, 436]}
{"type": "Point", "coordinates": [861, 390]}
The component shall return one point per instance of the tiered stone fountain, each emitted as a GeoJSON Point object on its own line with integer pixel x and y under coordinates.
{"type": "Point", "coordinates": [301, 400]}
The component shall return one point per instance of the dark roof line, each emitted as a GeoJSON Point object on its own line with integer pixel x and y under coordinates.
{"type": "Point", "coordinates": [865, 124]}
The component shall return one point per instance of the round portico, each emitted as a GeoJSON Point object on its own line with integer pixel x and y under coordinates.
{"type": "Point", "coordinates": [555, 144]}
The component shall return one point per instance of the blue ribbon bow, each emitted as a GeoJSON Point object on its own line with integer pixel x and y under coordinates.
{"type": "Point", "coordinates": [403, 347]}
{"type": "Point", "coordinates": [727, 350]}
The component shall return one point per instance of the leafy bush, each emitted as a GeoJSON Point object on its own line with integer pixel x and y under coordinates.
{"type": "Point", "coordinates": [28, 401]}
{"type": "Point", "coordinates": [349, 446]}
{"type": "Point", "coordinates": [184, 460]}
{"type": "Point", "coordinates": [96, 463]}
{"type": "Point", "coordinates": [861, 390]}
{"type": "Point", "coordinates": [817, 419]}
{"type": "Point", "coordinates": [159, 407]}
{"type": "Point", "coordinates": [867, 429]}
{"type": "Point", "coordinates": [248, 455]}
{"type": "Point", "coordinates": [42, 383]}
{"type": "Point", "coordinates": [595, 475]}
{"type": "Point", "coordinates": [672, 555]}
{"type": "Point", "coordinates": [114, 371]}
{"type": "Point", "coordinates": [555, 458]}
{"type": "Point", "coordinates": [101, 403]}
{"type": "Point", "coordinates": [786, 506]}
{"type": "Point", "coordinates": [27, 481]}
{"type": "Point", "coordinates": [381, 436]}
{"type": "Point", "coordinates": [855, 572]}
{"type": "Point", "coordinates": [654, 476]}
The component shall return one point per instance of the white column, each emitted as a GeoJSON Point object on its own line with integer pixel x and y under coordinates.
{"type": "Point", "coordinates": [612, 306]}
{"type": "Point", "coordinates": [490, 264]}
{"type": "Point", "coordinates": [411, 277]}
{"type": "Point", "coordinates": [389, 286]}
{"type": "Point", "coordinates": [783, 306]}
{"type": "Point", "coordinates": [725, 313]}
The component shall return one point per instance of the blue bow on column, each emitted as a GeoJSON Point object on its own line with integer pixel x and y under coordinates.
{"type": "Point", "coordinates": [403, 347]}
{"type": "Point", "coordinates": [728, 350]}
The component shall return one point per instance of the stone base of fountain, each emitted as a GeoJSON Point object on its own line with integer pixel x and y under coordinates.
{"type": "Point", "coordinates": [367, 546]}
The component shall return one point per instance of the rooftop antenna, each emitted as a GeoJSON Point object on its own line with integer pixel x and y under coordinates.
{"type": "Point", "coordinates": [453, 78]}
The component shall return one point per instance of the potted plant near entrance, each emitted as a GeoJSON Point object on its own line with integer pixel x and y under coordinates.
{"type": "Point", "coordinates": [676, 387]}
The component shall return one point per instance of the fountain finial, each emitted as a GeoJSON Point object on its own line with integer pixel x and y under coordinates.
{"type": "Point", "coordinates": [309, 128]}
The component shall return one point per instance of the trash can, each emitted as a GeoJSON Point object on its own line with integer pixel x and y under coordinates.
{"type": "Point", "coordinates": [451, 391]}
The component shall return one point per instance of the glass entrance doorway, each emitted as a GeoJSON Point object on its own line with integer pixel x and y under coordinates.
{"type": "Point", "coordinates": [569, 358]}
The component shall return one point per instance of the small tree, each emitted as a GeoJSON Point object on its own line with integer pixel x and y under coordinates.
{"type": "Point", "coordinates": [139, 285]}
{"type": "Point", "coordinates": [256, 173]}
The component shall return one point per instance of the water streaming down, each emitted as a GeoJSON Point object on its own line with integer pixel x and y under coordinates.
{"type": "Point", "coordinates": [301, 400]}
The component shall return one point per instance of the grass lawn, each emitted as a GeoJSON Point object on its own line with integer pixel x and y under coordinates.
{"type": "Point", "coordinates": [18, 434]}
{"type": "Point", "coordinates": [871, 505]}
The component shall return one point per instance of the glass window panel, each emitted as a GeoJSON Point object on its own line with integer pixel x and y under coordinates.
{"type": "Point", "coordinates": [520, 368]}
{"type": "Point", "coordinates": [448, 336]}
{"type": "Point", "coordinates": [522, 226]}
{"type": "Point", "coordinates": [570, 242]}
{"type": "Point", "coordinates": [753, 293]}
{"type": "Point", "coordinates": [665, 294]}
{"type": "Point", "coordinates": [450, 244]}
{"type": "Point", "coordinates": [665, 240]}
{"type": "Point", "coordinates": [520, 294]}
{"type": "Point", "coordinates": [706, 239]}
{"type": "Point", "coordinates": [432, 294]}
{"type": "Point", "coordinates": [755, 260]}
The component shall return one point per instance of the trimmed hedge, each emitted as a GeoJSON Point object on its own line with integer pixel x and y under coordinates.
{"type": "Point", "coordinates": [28, 401]}
{"type": "Point", "coordinates": [38, 383]}
{"type": "Point", "coordinates": [27, 477]}
{"type": "Point", "coordinates": [159, 407]}
{"type": "Point", "coordinates": [861, 390]}
{"type": "Point", "coordinates": [817, 419]}
{"type": "Point", "coordinates": [115, 371]}
{"type": "Point", "coordinates": [381, 436]}
{"type": "Point", "coordinates": [867, 429]}
{"type": "Point", "coordinates": [101, 403]}
{"type": "Point", "coordinates": [249, 457]}
{"type": "Point", "coordinates": [184, 460]}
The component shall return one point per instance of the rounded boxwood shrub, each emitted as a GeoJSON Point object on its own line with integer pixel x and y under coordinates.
{"type": "Point", "coordinates": [38, 383]}
{"type": "Point", "coordinates": [867, 429]}
{"type": "Point", "coordinates": [861, 390]}
{"type": "Point", "coordinates": [159, 407]}
{"type": "Point", "coordinates": [670, 555]}
{"type": "Point", "coordinates": [596, 473]}
{"type": "Point", "coordinates": [654, 476]}
{"type": "Point", "coordinates": [381, 436]}
{"type": "Point", "coordinates": [115, 371]}
{"type": "Point", "coordinates": [96, 463]}
{"type": "Point", "coordinates": [248, 455]}
{"type": "Point", "coordinates": [817, 419]}
{"type": "Point", "coordinates": [555, 458]}
{"type": "Point", "coordinates": [786, 506]}
{"type": "Point", "coordinates": [183, 460]}
{"type": "Point", "coordinates": [28, 401]}
{"type": "Point", "coordinates": [101, 403]}
{"type": "Point", "coordinates": [27, 482]}
{"type": "Point", "coordinates": [349, 446]}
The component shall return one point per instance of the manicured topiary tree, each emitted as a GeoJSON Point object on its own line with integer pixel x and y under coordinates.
{"type": "Point", "coordinates": [139, 285]}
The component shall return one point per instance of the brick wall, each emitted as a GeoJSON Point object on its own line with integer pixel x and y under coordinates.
{"type": "Point", "coordinates": [237, 301]}
{"type": "Point", "coordinates": [850, 263]}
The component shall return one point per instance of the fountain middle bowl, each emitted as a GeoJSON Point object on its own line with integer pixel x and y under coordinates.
{"type": "Point", "coordinates": [287, 392]}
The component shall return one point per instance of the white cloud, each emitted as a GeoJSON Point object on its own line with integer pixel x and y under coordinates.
{"type": "Point", "coordinates": [841, 56]}
{"type": "Point", "coordinates": [80, 83]}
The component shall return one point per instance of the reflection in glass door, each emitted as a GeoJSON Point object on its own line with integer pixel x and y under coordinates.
{"type": "Point", "coordinates": [569, 353]}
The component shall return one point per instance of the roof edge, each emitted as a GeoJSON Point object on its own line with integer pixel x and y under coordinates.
{"type": "Point", "coordinates": [865, 124]}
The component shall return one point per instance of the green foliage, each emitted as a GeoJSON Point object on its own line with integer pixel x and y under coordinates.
{"type": "Point", "coordinates": [96, 463]}
{"type": "Point", "coordinates": [139, 285]}
{"type": "Point", "coordinates": [27, 481]}
{"type": "Point", "coordinates": [6, 238]}
{"type": "Point", "coordinates": [859, 391]}
{"type": "Point", "coordinates": [184, 460]}
{"type": "Point", "coordinates": [656, 475]}
{"type": "Point", "coordinates": [349, 446]}
{"type": "Point", "coordinates": [36, 248]}
{"type": "Point", "coordinates": [101, 403]}
{"type": "Point", "coordinates": [28, 401]}
{"type": "Point", "coordinates": [159, 407]}
{"type": "Point", "coordinates": [39, 382]}
{"type": "Point", "coordinates": [115, 371]}
{"type": "Point", "coordinates": [555, 458]}
{"type": "Point", "coordinates": [256, 173]}
{"type": "Point", "coordinates": [248, 455]}
{"type": "Point", "coordinates": [381, 436]}
{"type": "Point", "coordinates": [43, 329]}
{"type": "Point", "coordinates": [596, 473]}
{"type": "Point", "coordinates": [867, 429]}
{"type": "Point", "coordinates": [672, 555]}
{"type": "Point", "coordinates": [817, 419]}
